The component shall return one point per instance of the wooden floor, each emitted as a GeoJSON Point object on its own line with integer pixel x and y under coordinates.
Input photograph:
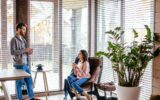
{"type": "Point", "coordinates": [60, 97]}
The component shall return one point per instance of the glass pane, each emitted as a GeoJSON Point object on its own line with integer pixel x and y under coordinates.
{"type": "Point", "coordinates": [0, 34]}
{"type": "Point", "coordinates": [137, 14]}
{"type": "Point", "coordinates": [74, 31]}
{"type": "Point", "coordinates": [10, 29]}
{"type": "Point", "coordinates": [41, 40]}
{"type": "Point", "coordinates": [108, 18]}
{"type": "Point", "coordinates": [136, 17]}
{"type": "Point", "coordinates": [10, 34]}
{"type": "Point", "coordinates": [6, 41]}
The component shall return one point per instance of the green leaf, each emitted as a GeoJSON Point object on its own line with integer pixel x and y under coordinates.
{"type": "Point", "coordinates": [117, 28]}
{"type": "Point", "coordinates": [101, 53]}
{"type": "Point", "coordinates": [135, 33]}
{"type": "Point", "coordinates": [148, 35]}
{"type": "Point", "coordinates": [131, 61]}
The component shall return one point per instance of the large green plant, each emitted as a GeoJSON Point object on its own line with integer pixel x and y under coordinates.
{"type": "Point", "coordinates": [130, 61]}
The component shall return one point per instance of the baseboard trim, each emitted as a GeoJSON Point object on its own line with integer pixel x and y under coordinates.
{"type": "Point", "coordinates": [37, 94]}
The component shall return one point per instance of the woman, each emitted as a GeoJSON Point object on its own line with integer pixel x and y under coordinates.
{"type": "Point", "coordinates": [81, 75]}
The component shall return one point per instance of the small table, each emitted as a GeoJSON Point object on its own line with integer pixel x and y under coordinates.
{"type": "Point", "coordinates": [44, 78]}
{"type": "Point", "coordinates": [8, 75]}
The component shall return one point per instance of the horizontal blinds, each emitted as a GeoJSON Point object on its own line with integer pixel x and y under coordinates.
{"type": "Point", "coordinates": [6, 33]}
{"type": "Point", "coordinates": [10, 34]}
{"type": "Point", "coordinates": [3, 46]}
{"type": "Point", "coordinates": [42, 40]}
{"type": "Point", "coordinates": [41, 32]}
{"type": "Point", "coordinates": [74, 31]}
{"type": "Point", "coordinates": [108, 17]}
{"type": "Point", "coordinates": [10, 29]}
{"type": "Point", "coordinates": [0, 37]}
{"type": "Point", "coordinates": [128, 14]}
{"type": "Point", "coordinates": [138, 13]}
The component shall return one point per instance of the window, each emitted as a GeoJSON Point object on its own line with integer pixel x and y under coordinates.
{"type": "Point", "coordinates": [128, 14]}
{"type": "Point", "coordinates": [10, 34]}
{"type": "Point", "coordinates": [6, 16]}
{"type": "Point", "coordinates": [6, 33]}
{"type": "Point", "coordinates": [108, 17]}
{"type": "Point", "coordinates": [10, 29]}
{"type": "Point", "coordinates": [138, 13]}
{"type": "Point", "coordinates": [74, 31]}
{"type": "Point", "coordinates": [41, 40]}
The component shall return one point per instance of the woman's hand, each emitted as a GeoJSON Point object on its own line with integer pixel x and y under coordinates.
{"type": "Point", "coordinates": [74, 65]}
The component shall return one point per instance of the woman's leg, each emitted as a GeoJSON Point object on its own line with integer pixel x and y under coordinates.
{"type": "Point", "coordinates": [71, 79]}
{"type": "Point", "coordinates": [66, 87]}
{"type": "Point", "coordinates": [76, 85]}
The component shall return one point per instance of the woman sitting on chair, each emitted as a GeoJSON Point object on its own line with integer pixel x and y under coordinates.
{"type": "Point", "coordinates": [81, 75]}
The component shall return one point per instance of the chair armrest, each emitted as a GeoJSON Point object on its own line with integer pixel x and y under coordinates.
{"type": "Point", "coordinates": [95, 76]}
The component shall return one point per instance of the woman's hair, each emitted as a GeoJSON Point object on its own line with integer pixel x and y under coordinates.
{"type": "Point", "coordinates": [85, 55]}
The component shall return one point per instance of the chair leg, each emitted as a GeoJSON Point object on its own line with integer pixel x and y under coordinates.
{"type": "Point", "coordinates": [111, 93]}
{"type": "Point", "coordinates": [92, 84]}
{"type": "Point", "coordinates": [105, 95]}
{"type": "Point", "coordinates": [96, 91]}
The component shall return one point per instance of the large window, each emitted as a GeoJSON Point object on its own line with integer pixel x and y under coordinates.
{"type": "Point", "coordinates": [74, 31]}
{"type": "Point", "coordinates": [41, 40]}
{"type": "Point", "coordinates": [7, 20]}
{"type": "Point", "coordinates": [6, 33]}
{"type": "Point", "coordinates": [138, 13]}
{"type": "Point", "coordinates": [56, 37]}
{"type": "Point", "coordinates": [108, 17]}
{"type": "Point", "coordinates": [128, 14]}
{"type": "Point", "coordinates": [10, 29]}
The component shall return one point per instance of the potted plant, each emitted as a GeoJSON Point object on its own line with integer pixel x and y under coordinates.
{"type": "Point", "coordinates": [129, 61]}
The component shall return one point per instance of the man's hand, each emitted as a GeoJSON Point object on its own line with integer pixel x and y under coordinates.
{"type": "Point", "coordinates": [28, 50]}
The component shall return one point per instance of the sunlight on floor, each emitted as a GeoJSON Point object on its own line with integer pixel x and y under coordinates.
{"type": "Point", "coordinates": [60, 97]}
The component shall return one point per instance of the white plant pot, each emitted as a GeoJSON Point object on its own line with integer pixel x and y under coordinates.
{"type": "Point", "coordinates": [128, 93]}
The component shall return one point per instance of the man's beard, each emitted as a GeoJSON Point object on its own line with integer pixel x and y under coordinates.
{"type": "Point", "coordinates": [22, 34]}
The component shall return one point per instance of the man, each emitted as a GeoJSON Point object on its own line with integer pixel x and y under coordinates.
{"type": "Point", "coordinates": [20, 52]}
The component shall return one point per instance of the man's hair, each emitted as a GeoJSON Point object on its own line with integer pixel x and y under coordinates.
{"type": "Point", "coordinates": [20, 25]}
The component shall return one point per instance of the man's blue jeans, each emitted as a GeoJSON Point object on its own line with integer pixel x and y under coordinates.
{"type": "Point", "coordinates": [27, 81]}
{"type": "Point", "coordinates": [76, 83]}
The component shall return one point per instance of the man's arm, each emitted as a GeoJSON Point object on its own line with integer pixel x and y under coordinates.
{"type": "Point", "coordinates": [14, 50]}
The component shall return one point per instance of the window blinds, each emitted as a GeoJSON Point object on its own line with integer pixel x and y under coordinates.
{"type": "Point", "coordinates": [3, 46]}
{"type": "Point", "coordinates": [108, 17]}
{"type": "Point", "coordinates": [74, 31]}
{"type": "Point", "coordinates": [128, 14]}
{"type": "Point", "coordinates": [7, 32]}
{"type": "Point", "coordinates": [10, 29]}
{"type": "Point", "coordinates": [138, 13]}
{"type": "Point", "coordinates": [42, 41]}
{"type": "Point", "coordinates": [0, 38]}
